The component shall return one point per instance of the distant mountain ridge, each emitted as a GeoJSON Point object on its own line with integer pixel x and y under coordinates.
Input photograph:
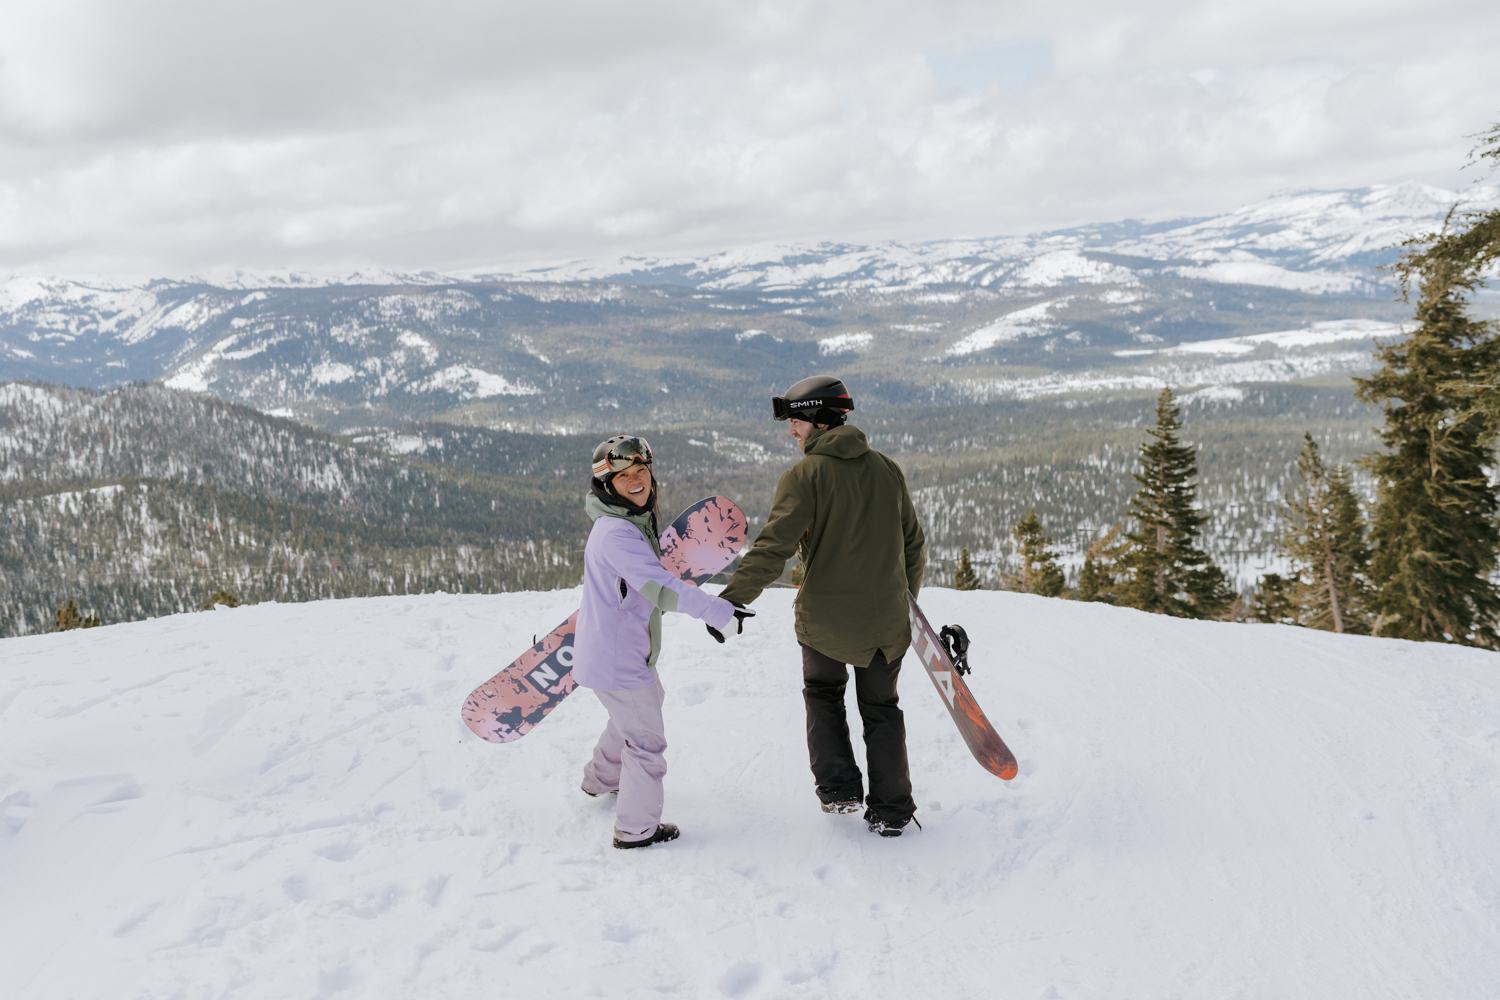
{"type": "Point", "coordinates": [1335, 239]}
{"type": "Point", "coordinates": [564, 346]}
{"type": "Point", "coordinates": [1351, 230]}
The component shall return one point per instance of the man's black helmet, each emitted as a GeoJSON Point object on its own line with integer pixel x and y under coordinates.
{"type": "Point", "coordinates": [821, 399]}
{"type": "Point", "coordinates": [618, 454]}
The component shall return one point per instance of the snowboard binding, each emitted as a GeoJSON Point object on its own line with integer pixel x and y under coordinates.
{"type": "Point", "coordinates": [956, 644]}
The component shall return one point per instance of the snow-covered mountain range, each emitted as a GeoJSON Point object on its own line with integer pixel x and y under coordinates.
{"type": "Point", "coordinates": [1318, 241]}
{"type": "Point", "coordinates": [1045, 313]}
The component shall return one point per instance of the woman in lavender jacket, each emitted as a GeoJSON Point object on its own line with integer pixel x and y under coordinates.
{"type": "Point", "coordinates": [618, 636]}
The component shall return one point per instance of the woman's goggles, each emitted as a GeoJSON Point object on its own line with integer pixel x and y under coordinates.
{"type": "Point", "coordinates": [623, 454]}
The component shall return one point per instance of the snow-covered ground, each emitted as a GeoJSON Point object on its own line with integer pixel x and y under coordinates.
{"type": "Point", "coordinates": [276, 802]}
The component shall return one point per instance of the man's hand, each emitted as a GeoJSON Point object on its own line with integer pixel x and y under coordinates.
{"type": "Point", "coordinates": [734, 629]}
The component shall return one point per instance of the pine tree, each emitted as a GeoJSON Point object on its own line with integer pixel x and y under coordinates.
{"type": "Point", "coordinates": [1473, 247]}
{"type": "Point", "coordinates": [1324, 539]}
{"type": "Point", "coordinates": [965, 578]}
{"type": "Point", "coordinates": [1468, 241]}
{"type": "Point", "coordinates": [1091, 579]}
{"type": "Point", "coordinates": [1100, 568]}
{"type": "Point", "coordinates": [1040, 573]}
{"type": "Point", "coordinates": [1166, 571]}
{"type": "Point", "coordinates": [221, 596]}
{"type": "Point", "coordinates": [68, 619]}
{"type": "Point", "coordinates": [1434, 530]}
{"type": "Point", "coordinates": [1274, 601]}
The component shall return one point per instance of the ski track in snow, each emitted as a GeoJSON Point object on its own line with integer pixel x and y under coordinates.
{"type": "Point", "coordinates": [277, 801]}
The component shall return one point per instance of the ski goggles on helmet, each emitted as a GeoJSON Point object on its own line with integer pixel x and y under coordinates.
{"type": "Point", "coordinates": [783, 408]}
{"type": "Point", "coordinates": [622, 454]}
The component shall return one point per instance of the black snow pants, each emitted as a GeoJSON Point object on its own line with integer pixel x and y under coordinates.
{"type": "Point", "coordinates": [833, 766]}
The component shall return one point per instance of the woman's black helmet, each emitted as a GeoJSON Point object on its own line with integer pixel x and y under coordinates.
{"type": "Point", "coordinates": [821, 399]}
{"type": "Point", "coordinates": [618, 454]}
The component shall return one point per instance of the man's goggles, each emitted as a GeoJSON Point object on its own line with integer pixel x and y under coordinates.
{"type": "Point", "coordinates": [623, 454]}
{"type": "Point", "coordinates": [803, 409]}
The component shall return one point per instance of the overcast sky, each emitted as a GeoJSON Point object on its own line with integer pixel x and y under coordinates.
{"type": "Point", "coordinates": [168, 136]}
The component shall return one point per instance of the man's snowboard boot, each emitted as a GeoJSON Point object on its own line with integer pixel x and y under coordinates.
{"type": "Point", "coordinates": [887, 828]}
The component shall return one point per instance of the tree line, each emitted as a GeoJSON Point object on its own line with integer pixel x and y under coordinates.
{"type": "Point", "coordinates": [1417, 562]}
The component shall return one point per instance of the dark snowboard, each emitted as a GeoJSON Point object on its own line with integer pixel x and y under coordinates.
{"type": "Point", "coordinates": [984, 743]}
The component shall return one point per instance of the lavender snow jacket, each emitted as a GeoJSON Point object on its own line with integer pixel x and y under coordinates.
{"type": "Point", "coordinates": [625, 590]}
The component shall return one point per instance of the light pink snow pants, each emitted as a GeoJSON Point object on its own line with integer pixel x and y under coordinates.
{"type": "Point", "coordinates": [629, 757]}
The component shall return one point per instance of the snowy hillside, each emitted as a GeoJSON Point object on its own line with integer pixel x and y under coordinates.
{"type": "Point", "coordinates": [276, 802]}
{"type": "Point", "coordinates": [142, 501]}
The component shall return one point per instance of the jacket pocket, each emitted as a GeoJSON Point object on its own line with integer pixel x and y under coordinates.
{"type": "Point", "coordinates": [623, 593]}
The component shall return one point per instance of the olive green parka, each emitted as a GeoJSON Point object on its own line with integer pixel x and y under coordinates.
{"type": "Point", "coordinates": [845, 509]}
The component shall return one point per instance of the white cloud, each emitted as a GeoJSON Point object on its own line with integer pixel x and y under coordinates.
{"type": "Point", "coordinates": [463, 133]}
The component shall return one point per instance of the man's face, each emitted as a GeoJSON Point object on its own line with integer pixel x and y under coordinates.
{"type": "Point", "coordinates": [800, 429]}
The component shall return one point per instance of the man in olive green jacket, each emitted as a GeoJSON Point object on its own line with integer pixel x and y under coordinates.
{"type": "Point", "coordinates": [845, 509]}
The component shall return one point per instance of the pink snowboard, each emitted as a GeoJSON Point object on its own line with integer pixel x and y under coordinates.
{"type": "Point", "coordinates": [702, 541]}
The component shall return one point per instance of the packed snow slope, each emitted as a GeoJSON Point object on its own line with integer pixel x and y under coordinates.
{"type": "Point", "coordinates": [276, 802]}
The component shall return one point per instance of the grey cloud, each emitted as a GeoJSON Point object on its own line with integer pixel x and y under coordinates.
{"type": "Point", "coordinates": [174, 136]}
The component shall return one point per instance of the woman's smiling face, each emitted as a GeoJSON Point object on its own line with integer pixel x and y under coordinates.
{"type": "Point", "coordinates": [634, 484]}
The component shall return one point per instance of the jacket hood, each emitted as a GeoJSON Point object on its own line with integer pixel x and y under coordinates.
{"type": "Point", "coordinates": [837, 442]}
{"type": "Point", "coordinates": [642, 519]}
{"type": "Point", "coordinates": [602, 501]}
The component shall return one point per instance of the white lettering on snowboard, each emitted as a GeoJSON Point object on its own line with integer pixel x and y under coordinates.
{"type": "Point", "coordinates": [928, 647]}
{"type": "Point", "coordinates": [544, 675]}
{"type": "Point", "coordinates": [944, 680]}
{"type": "Point", "coordinates": [928, 651]}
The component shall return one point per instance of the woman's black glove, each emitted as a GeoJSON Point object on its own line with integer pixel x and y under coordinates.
{"type": "Point", "coordinates": [734, 628]}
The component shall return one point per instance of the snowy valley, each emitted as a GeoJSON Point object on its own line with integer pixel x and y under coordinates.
{"type": "Point", "coordinates": [277, 801]}
{"type": "Point", "coordinates": [143, 500]}
{"type": "Point", "coordinates": [1004, 374]}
